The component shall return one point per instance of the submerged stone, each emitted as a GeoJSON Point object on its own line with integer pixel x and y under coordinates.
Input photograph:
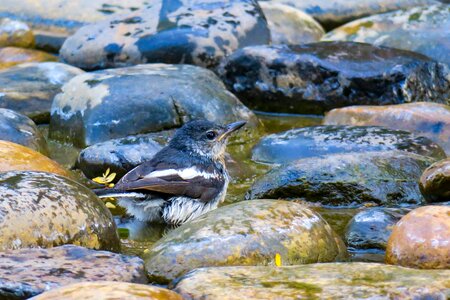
{"type": "Point", "coordinates": [11, 56]}
{"type": "Point", "coordinates": [435, 181]}
{"type": "Point", "coordinates": [15, 34]}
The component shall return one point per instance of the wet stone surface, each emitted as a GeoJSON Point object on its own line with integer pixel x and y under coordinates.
{"type": "Point", "coordinates": [11, 56]}
{"type": "Point", "coordinates": [317, 77]}
{"type": "Point", "coordinates": [27, 272]}
{"type": "Point", "coordinates": [15, 33]}
{"type": "Point", "coordinates": [435, 181]}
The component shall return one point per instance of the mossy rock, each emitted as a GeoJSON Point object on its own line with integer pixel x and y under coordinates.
{"type": "Point", "coordinates": [11, 56]}
{"type": "Point", "coordinates": [15, 33]}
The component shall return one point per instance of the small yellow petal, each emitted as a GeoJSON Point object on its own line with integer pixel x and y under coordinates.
{"type": "Point", "coordinates": [111, 185]}
{"type": "Point", "coordinates": [278, 260]}
{"type": "Point", "coordinates": [106, 173]}
{"type": "Point", "coordinates": [100, 180]}
{"type": "Point", "coordinates": [110, 205]}
{"type": "Point", "coordinates": [110, 177]}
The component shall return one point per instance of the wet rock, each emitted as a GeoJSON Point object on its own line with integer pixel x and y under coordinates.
{"type": "Point", "coordinates": [28, 272]}
{"type": "Point", "coordinates": [11, 56]}
{"type": "Point", "coordinates": [289, 25]}
{"type": "Point", "coordinates": [49, 41]}
{"type": "Point", "coordinates": [15, 33]}
{"type": "Point", "coordinates": [421, 239]}
{"type": "Point", "coordinates": [314, 141]}
{"type": "Point", "coordinates": [316, 281]}
{"type": "Point", "coordinates": [435, 182]}
{"type": "Point", "coordinates": [431, 120]}
{"type": "Point", "coordinates": [387, 178]}
{"type": "Point", "coordinates": [30, 88]}
{"type": "Point", "coordinates": [420, 29]}
{"type": "Point", "coordinates": [109, 290]}
{"type": "Point", "coordinates": [44, 210]}
{"type": "Point", "coordinates": [20, 129]}
{"type": "Point", "coordinates": [15, 157]}
{"type": "Point", "coordinates": [120, 155]}
{"type": "Point", "coordinates": [197, 32]}
{"type": "Point", "coordinates": [371, 228]}
{"type": "Point", "coordinates": [96, 107]}
{"type": "Point", "coordinates": [317, 77]}
{"type": "Point", "coordinates": [253, 232]}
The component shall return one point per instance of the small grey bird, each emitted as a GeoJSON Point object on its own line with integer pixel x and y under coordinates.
{"type": "Point", "coordinates": [184, 180]}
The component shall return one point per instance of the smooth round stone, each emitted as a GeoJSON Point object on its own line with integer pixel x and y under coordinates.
{"type": "Point", "coordinates": [119, 155]}
{"type": "Point", "coordinates": [104, 290]}
{"type": "Point", "coordinates": [96, 107]}
{"type": "Point", "coordinates": [425, 30]}
{"type": "Point", "coordinates": [15, 157]}
{"type": "Point", "coordinates": [421, 239]}
{"type": "Point", "coordinates": [20, 129]}
{"type": "Point", "coordinates": [431, 120]}
{"type": "Point", "coordinates": [11, 56]}
{"type": "Point", "coordinates": [317, 77]}
{"type": "Point", "coordinates": [289, 25]}
{"type": "Point", "coordinates": [199, 32]}
{"type": "Point", "coordinates": [29, 272]}
{"type": "Point", "coordinates": [314, 141]}
{"type": "Point", "coordinates": [30, 88]}
{"type": "Point", "coordinates": [45, 210]}
{"type": "Point", "coordinates": [388, 178]}
{"type": "Point", "coordinates": [315, 281]}
{"type": "Point", "coordinates": [16, 34]}
{"type": "Point", "coordinates": [435, 182]}
{"type": "Point", "coordinates": [245, 233]}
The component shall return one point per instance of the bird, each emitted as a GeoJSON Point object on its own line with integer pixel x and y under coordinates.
{"type": "Point", "coordinates": [183, 181]}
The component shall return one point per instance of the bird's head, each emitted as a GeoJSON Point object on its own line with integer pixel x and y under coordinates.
{"type": "Point", "coordinates": [204, 138]}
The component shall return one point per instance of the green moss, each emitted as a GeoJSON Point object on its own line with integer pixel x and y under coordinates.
{"type": "Point", "coordinates": [309, 290]}
{"type": "Point", "coordinates": [350, 30]}
{"type": "Point", "coordinates": [415, 16]}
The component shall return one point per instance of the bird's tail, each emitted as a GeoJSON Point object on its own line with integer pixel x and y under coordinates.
{"type": "Point", "coordinates": [117, 193]}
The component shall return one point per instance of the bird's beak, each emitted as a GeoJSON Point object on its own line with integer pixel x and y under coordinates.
{"type": "Point", "coordinates": [230, 128]}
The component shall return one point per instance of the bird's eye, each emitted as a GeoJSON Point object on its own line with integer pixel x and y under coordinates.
{"type": "Point", "coordinates": [211, 135]}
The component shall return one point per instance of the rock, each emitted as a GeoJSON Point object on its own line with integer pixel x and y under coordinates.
{"type": "Point", "coordinates": [96, 107]}
{"type": "Point", "coordinates": [49, 41]}
{"type": "Point", "coordinates": [387, 178]}
{"type": "Point", "coordinates": [371, 228]}
{"type": "Point", "coordinates": [435, 182]}
{"type": "Point", "coordinates": [15, 33]}
{"type": "Point", "coordinates": [11, 56]}
{"type": "Point", "coordinates": [245, 233]}
{"type": "Point", "coordinates": [15, 157]}
{"type": "Point", "coordinates": [334, 13]}
{"type": "Point", "coordinates": [289, 25]}
{"type": "Point", "coordinates": [20, 129]}
{"type": "Point", "coordinates": [28, 272]}
{"type": "Point", "coordinates": [315, 281]}
{"type": "Point", "coordinates": [109, 290]}
{"type": "Point", "coordinates": [314, 78]}
{"type": "Point", "coordinates": [120, 155]}
{"type": "Point", "coordinates": [30, 88]}
{"type": "Point", "coordinates": [420, 29]}
{"type": "Point", "coordinates": [421, 239]}
{"type": "Point", "coordinates": [197, 32]}
{"type": "Point", "coordinates": [431, 120]}
{"type": "Point", "coordinates": [45, 210]}
{"type": "Point", "coordinates": [314, 141]}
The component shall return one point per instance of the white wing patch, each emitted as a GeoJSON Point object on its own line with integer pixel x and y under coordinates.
{"type": "Point", "coordinates": [185, 174]}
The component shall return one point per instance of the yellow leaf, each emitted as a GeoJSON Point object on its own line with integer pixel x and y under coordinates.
{"type": "Point", "coordinates": [100, 180]}
{"type": "Point", "coordinates": [111, 185]}
{"type": "Point", "coordinates": [110, 205]}
{"type": "Point", "coordinates": [106, 173]}
{"type": "Point", "coordinates": [110, 177]}
{"type": "Point", "coordinates": [278, 260]}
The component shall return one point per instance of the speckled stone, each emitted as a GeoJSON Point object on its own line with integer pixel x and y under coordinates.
{"type": "Point", "coordinates": [20, 129]}
{"type": "Point", "coordinates": [431, 120]}
{"type": "Point", "coordinates": [435, 182]}
{"type": "Point", "coordinates": [421, 239]}
{"type": "Point", "coordinates": [387, 178]}
{"type": "Point", "coordinates": [96, 107]}
{"type": "Point", "coordinates": [314, 141]}
{"type": "Point", "coordinates": [11, 56]}
{"type": "Point", "coordinates": [40, 209]}
{"type": "Point", "coordinates": [16, 34]}
{"type": "Point", "coordinates": [30, 88]}
{"type": "Point", "coordinates": [245, 233]}
{"type": "Point", "coordinates": [424, 30]}
{"type": "Point", "coordinates": [316, 281]}
{"type": "Point", "coordinates": [317, 77]}
{"type": "Point", "coordinates": [27, 272]}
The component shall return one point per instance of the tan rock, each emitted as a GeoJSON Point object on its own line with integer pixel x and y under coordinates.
{"type": "Point", "coordinates": [435, 181]}
{"type": "Point", "coordinates": [15, 33]}
{"type": "Point", "coordinates": [10, 56]}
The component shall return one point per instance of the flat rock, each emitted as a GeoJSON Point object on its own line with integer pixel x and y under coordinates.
{"type": "Point", "coordinates": [314, 141]}
{"type": "Point", "coordinates": [435, 181]}
{"type": "Point", "coordinates": [316, 281]}
{"type": "Point", "coordinates": [245, 233]}
{"type": "Point", "coordinates": [199, 32]}
{"type": "Point", "coordinates": [19, 129]}
{"type": "Point", "coordinates": [423, 29]}
{"type": "Point", "coordinates": [317, 77]}
{"type": "Point", "coordinates": [352, 179]}
{"type": "Point", "coordinates": [44, 210]}
{"type": "Point", "coordinates": [27, 272]}
{"type": "Point", "coordinates": [15, 33]}
{"type": "Point", "coordinates": [11, 56]}
{"type": "Point", "coordinates": [92, 106]}
{"type": "Point", "coordinates": [421, 239]}
{"type": "Point", "coordinates": [30, 88]}
{"type": "Point", "coordinates": [431, 120]}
